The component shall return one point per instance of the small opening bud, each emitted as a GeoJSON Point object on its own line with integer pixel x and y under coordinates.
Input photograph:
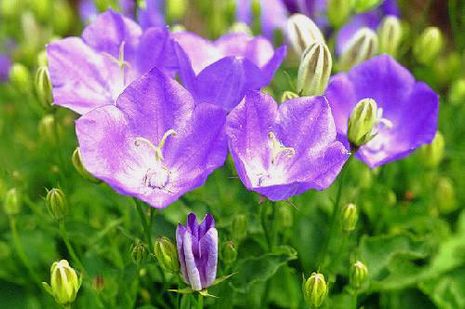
{"type": "Point", "coordinates": [301, 32]}
{"type": "Point", "coordinates": [338, 12]}
{"type": "Point", "coordinates": [362, 46]}
{"type": "Point", "coordinates": [428, 46]}
{"type": "Point", "coordinates": [77, 163]}
{"type": "Point", "coordinates": [43, 87]}
{"type": "Point", "coordinates": [12, 202]}
{"type": "Point", "coordinates": [362, 122]}
{"type": "Point", "coordinates": [349, 217]}
{"type": "Point", "coordinates": [445, 196]}
{"type": "Point", "coordinates": [138, 252]}
{"type": "Point", "coordinates": [49, 130]}
{"type": "Point", "coordinates": [20, 77]}
{"type": "Point", "coordinates": [64, 283]}
{"type": "Point", "coordinates": [433, 153]}
{"type": "Point", "coordinates": [166, 253]}
{"type": "Point", "coordinates": [359, 274]}
{"type": "Point", "coordinates": [315, 290]}
{"type": "Point", "coordinates": [314, 70]}
{"type": "Point", "coordinates": [239, 227]}
{"type": "Point", "coordinates": [389, 34]}
{"type": "Point", "coordinates": [56, 203]}
{"type": "Point", "coordinates": [229, 252]}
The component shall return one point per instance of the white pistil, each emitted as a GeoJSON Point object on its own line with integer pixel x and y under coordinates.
{"type": "Point", "coordinates": [122, 64]}
{"type": "Point", "coordinates": [277, 148]}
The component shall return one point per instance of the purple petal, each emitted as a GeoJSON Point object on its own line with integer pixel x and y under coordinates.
{"type": "Point", "coordinates": [186, 71]}
{"type": "Point", "coordinates": [193, 274]}
{"type": "Point", "coordinates": [370, 20]}
{"type": "Point", "coordinates": [152, 15]}
{"type": "Point", "coordinates": [207, 223]}
{"type": "Point", "coordinates": [5, 64]}
{"type": "Point", "coordinates": [180, 232]}
{"type": "Point", "coordinates": [208, 258]}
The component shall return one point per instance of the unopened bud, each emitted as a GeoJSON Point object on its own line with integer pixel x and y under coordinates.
{"type": "Point", "coordinates": [362, 122]}
{"type": "Point", "coordinates": [175, 9]}
{"type": "Point", "coordinates": [315, 290]}
{"type": "Point", "coordinates": [166, 253]}
{"type": "Point", "coordinates": [56, 203]}
{"type": "Point", "coordinates": [42, 59]}
{"type": "Point", "coordinates": [12, 202]}
{"type": "Point", "coordinates": [301, 32]}
{"type": "Point", "coordinates": [428, 46]}
{"type": "Point", "coordinates": [314, 70]}
{"type": "Point", "coordinates": [43, 87]}
{"type": "Point", "coordinates": [433, 153]}
{"type": "Point", "coordinates": [19, 77]}
{"type": "Point", "coordinates": [239, 227]}
{"type": "Point", "coordinates": [138, 252]}
{"type": "Point", "coordinates": [229, 252]}
{"type": "Point", "coordinates": [457, 92]}
{"type": "Point", "coordinates": [389, 35]}
{"type": "Point", "coordinates": [77, 163]}
{"type": "Point", "coordinates": [288, 95]}
{"type": "Point", "coordinates": [48, 129]}
{"type": "Point", "coordinates": [64, 283]}
{"type": "Point", "coordinates": [349, 217]}
{"type": "Point", "coordinates": [445, 196]}
{"type": "Point", "coordinates": [338, 12]}
{"type": "Point", "coordinates": [361, 6]}
{"type": "Point", "coordinates": [362, 46]}
{"type": "Point", "coordinates": [359, 274]}
{"type": "Point", "coordinates": [285, 217]}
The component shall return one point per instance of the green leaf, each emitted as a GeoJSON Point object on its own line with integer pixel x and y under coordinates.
{"type": "Point", "coordinates": [447, 292]}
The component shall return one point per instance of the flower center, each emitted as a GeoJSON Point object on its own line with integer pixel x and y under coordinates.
{"type": "Point", "coordinates": [121, 63]}
{"type": "Point", "coordinates": [157, 176]}
{"type": "Point", "coordinates": [278, 150]}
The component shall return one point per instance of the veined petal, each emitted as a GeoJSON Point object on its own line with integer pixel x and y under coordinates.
{"type": "Point", "coordinates": [180, 232]}
{"type": "Point", "coordinates": [192, 271]}
{"type": "Point", "coordinates": [208, 259]}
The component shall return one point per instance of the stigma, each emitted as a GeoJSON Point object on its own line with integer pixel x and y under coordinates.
{"type": "Point", "coordinates": [278, 149]}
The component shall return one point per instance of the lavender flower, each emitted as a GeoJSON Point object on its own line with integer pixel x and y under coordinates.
{"type": "Point", "coordinates": [154, 144]}
{"type": "Point", "coordinates": [198, 251]}
{"type": "Point", "coordinates": [92, 71]}
{"type": "Point", "coordinates": [221, 72]}
{"type": "Point", "coordinates": [283, 151]}
{"type": "Point", "coordinates": [407, 110]}
{"type": "Point", "coordinates": [5, 64]}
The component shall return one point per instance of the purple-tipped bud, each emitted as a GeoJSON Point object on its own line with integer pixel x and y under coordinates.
{"type": "Point", "coordinates": [198, 251]}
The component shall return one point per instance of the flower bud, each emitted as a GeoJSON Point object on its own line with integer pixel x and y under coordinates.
{"type": "Point", "coordinates": [445, 196]}
{"type": "Point", "coordinates": [285, 217]}
{"type": "Point", "coordinates": [433, 153]}
{"type": "Point", "coordinates": [359, 274]}
{"type": "Point", "coordinates": [428, 46]}
{"type": "Point", "coordinates": [288, 95]}
{"type": "Point", "coordinates": [43, 87]}
{"type": "Point", "coordinates": [338, 12]}
{"type": "Point", "coordinates": [349, 217]}
{"type": "Point", "coordinates": [362, 121]}
{"type": "Point", "coordinates": [314, 70]}
{"type": "Point", "coordinates": [229, 252]}
{"type": "Point", "coordinates": [362, 46]}
{"type": "Point", "coordinates": [42, 59]}
{"type": "Point", "coordinates": [361, 6]}
{"type": "Point", "coordinates": [56, 203]}
{"type": "Point", "coordinates": [48, 129]}
{"type": "Point", "coordinates": [77, 163]}
{"type": "Point", "coordinates": [166, 253]}
{"type": "Point", "coordinates": [457, 92]}
{"type": "Point", "coordinates": [138, 252]}
{"type": "Point", "coordinates": [64, 283]}
{"type": "Point", "coordinates": [389, 35]}
{"type": "Point", "coordinates": [19, 77]}
{"type": "Point", "coordinates": [315, 290]}
{"type": "Point", "coordinates": [301, 32]}
{"type": "Point", "coordinates": [12, 202]}
{"type": "Point", "coordinates": [175, 9]}
{"type": "Point", "coordinates": [239, 227]}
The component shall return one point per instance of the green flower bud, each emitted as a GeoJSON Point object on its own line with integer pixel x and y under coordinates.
{"type": "Point", "coordinates": [64, 283]}
{"type": "Point", "coordinates": [138, 252]}
{"type": "Point", "coordinates": [56, 203]}
{"type": "Point", "coordinates": [229, 252]}
{"type": "Point", "coordinates": [349, 217]}
{"type": "Point", "coordinates": [285, 217]}
{"type": "Point", "coordinates": [12, 202]}
{"type": "Point", "coordinates": [433, 153]}
{"type": "Point", "coordinates": [457, 92]}
{"type": "Point", "coordinates": [239, 227]}
{"type": "Point", "coordinates": [428, 46]}
{"type": "Point", "coordinates": [288, 95]}
{"type": "Point", "coordinates": [362, 46]}
{"type": "Point", "coordinates": [48, 129]}
{"type": "Point", "coordinates": [77, 163]}
{"type": "Point", "coordinates": [361, 6]}
{"type": "Point", "coordinates": [362, 121]}
{"type": "Point", "coordinates": [302, 32]}
{"type": "Point", "coordinates": [315, 290]}
{"type": "Point", "coordinates": [43, 87]}
{"type": "Point", "coordinates": [314, 70]}
{"type": "Point", "coordinates": [338, 12]}
{"type": "Point", "coordinates": [445, 196]}
{"type": "Point", "coordinates": [359, 274]}
{"type": "Point", "coordinates": [175, 9]}
{"type": "Point", "coordinates": [389, 35]}
{"type": "Point", "coordinates": [167, 255]}
{"type": "Point", "coordinates": [42, 59]}
{"type": "Point", "coordinates": [19, 77]}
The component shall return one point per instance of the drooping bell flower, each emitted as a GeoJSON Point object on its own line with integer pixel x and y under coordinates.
{"type": "Point", "coordinates": [222, 71]}
{"type": "Point", "coordinates": [154, 144]}
{"type": "Point", "coordinates": [198, 251]}
{"type": "Point", "coordinates": [406, 111]}
{"type": "Point", "coordinates": [283, 151]}
{"type": "Point", "coordinates": [5, 65]}
{"type": "Point", "coordinates": [92, 70]}
{"type": "Point", "coordinates": [371, 19]}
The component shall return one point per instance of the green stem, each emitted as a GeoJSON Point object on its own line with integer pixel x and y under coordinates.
{"type": "Point", "coordinates": [263, 217]}
{"type": "Point", "coordinates": [20, 251]}
{"type": "Point", "coordinates": [71, 251]}
{"type": "Point", "coordinates": [145, 225]}
{"type": "Point", "coordinates": [200, 302]}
